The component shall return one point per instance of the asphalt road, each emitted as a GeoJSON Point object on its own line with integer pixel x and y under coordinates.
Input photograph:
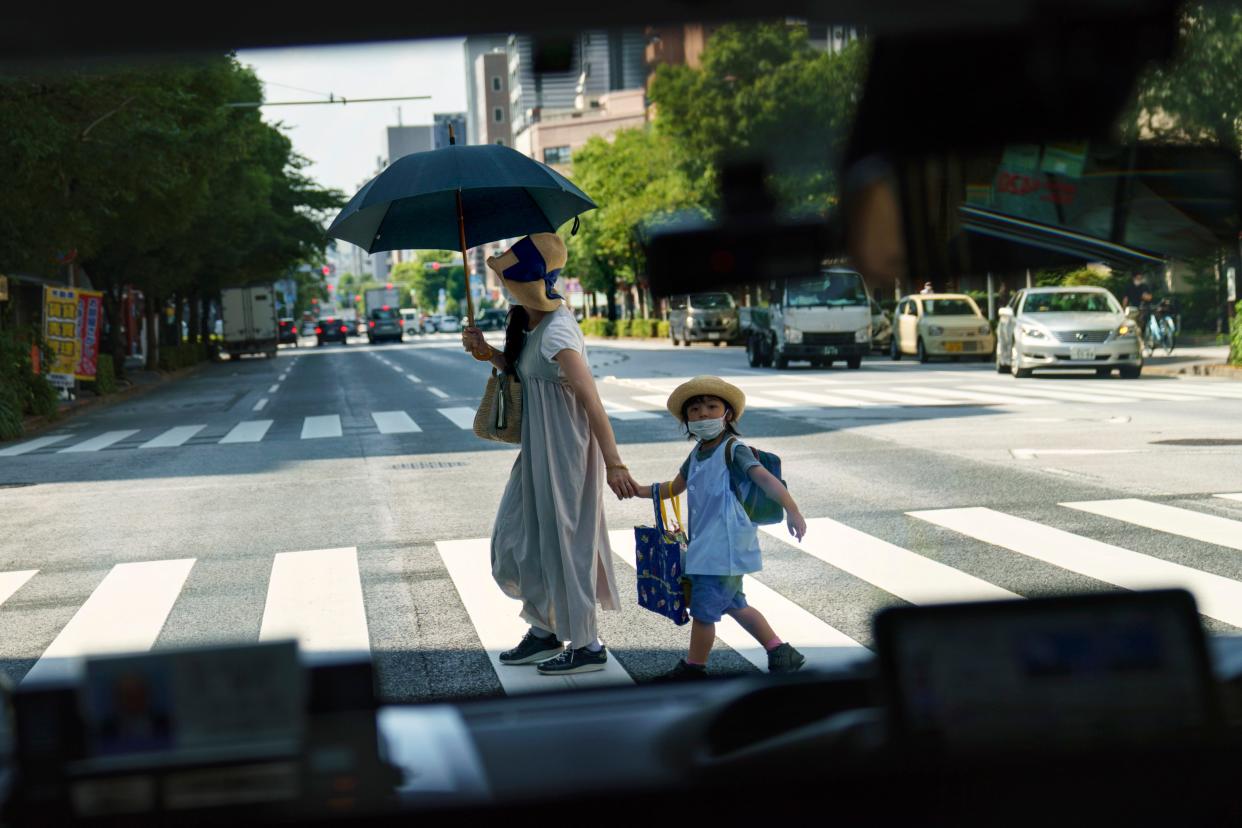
{"type": "Point", "coordinates": [338, 494]}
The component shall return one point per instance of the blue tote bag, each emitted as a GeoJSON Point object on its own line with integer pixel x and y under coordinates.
{"type": "Point", "coordinates": [661, 562]}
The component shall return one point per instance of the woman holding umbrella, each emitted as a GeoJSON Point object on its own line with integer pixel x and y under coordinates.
{"type": "Point", "coordinates": [550, 542]}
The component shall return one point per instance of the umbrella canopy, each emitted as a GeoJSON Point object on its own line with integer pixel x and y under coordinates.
{"type": "Point", "coordinates": [412, 205]}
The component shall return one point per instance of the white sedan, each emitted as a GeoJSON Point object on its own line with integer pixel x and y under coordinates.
{"type": "Point", "coordinates": [940, 324]}
{"type": "Point", "coordinates": [449, 324]}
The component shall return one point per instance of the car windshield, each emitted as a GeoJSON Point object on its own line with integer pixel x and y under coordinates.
{"type": "Point", "coordinates": [711, 301]}
{"type": "Point", "coordinates": [1070, 302]}
{"type": "Point", "coordinates": [949, 307]}
{"type": "Point", "coordinates": [832, 288]}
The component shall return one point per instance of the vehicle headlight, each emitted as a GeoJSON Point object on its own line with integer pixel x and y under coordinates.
{"type": "Point", "coordinates": [984, 330]}
{"type": "Point", "coordinates": [1033, 332]}
{"type": "Point", "coordinates": [793, 336]}
{"type": "Point", "coordinates": [690, 321]}
{"type": "Point", "coordinates": [863, 334]}
{"type": "Point", "coordinates": [1125, 330]}
{"type": "Point", "coordinates": [935, 330]}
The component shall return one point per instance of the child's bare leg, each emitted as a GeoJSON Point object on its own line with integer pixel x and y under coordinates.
{"type": "Point", "coordinates": [753, 622]}
{"type": "Point", "coordinates": [702, 637]}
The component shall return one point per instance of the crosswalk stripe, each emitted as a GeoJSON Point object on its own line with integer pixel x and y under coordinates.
{"type": "Point", "coordinates": [909, 576]}
{"type": "Point", "coordinates": [974, 396]}
{"type": "Point", "coordinates": [889, 397]}
{"type": "Point", "coordinates": [496, 619]}
{"type": "Point", "coordinates": [1146, 393]}
{"type": "Point", "coordinates": [1206, 388]}
{"type": "Point", "coordinates": [125, 613]}
{"type": "Point", "coordinates": [173, 437]}
{"type": "Point", "coordinates": [1218, 597]}
{"type": "Point", "coordinates": [326, 425]}
{"type": "Point", "coordinates": [315, 596]}
{"type": "Point", "coordinates": [462, 417]}
{"type": "Point", "coordinates": [11, 582]}
{"type": "Point", "coordinates": [32, 445]}
{"type": "Point", "coordinates": [1054, 393]}
{"type": "Point", "coordinates": [102, 441]}
{"type": "Point", "coordinates": [394, 422]}
{"type": "Point", "coordinates": [272, 389]}
{"type": "Point", "coordinates": [624, 412]}
{"type": "Point", "coordinates": [437, 392]}
{"type": "Point", "coordinates": [1163, 518]}
{"type": "Point", "coordinates": [823, 645]}
{"type": "Point", "coordinates": [260, 405]}
{"type": "Point", "coordinates": [249, 431]}
{"type": "Point", "coordinates": [828, 400]}
{"type": "Point", "coordinates": [1232, 496]}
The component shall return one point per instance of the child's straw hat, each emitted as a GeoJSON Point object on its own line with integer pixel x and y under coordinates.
{"type": "Point", "coordinates": [713, 386]}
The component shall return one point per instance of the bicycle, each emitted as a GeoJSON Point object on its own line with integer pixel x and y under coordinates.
{"type": "Point", "coordinates": [1160, 330]}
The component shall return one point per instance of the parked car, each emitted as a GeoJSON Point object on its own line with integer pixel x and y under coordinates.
{"type": "Point", "coordinates": [287, 332]}
{"type": "Point", "coordinates": [1067, 328]}
{"type": "Point", "coordinates": [384, 325]}
{"type": "Point", "coordinates": [881, 328]}
{"type": "Point", "coordinates": [492, 319]}
{"type": "Point", "coordinates": [431, 324]}
{"type": "Point", "coordinates": [331, 329]}
{"type": "Point", "coordinates": [704, 317]}
{"type": "Point", "coordinates": [940, 324]}
{"type": "Point", "coordinates": [409, 321]}
{"type": "Point", "coordinates": [449, 324]}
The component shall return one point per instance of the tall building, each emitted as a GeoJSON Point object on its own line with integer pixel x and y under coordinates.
{"type": "Point", "coordinates": [473, 48]}
{"type": "Point", "coordinates": [490, 81]}
{"type": "Point", "coordinates": [403, 140]}
{"type": "Point", "coordinates": [440, 128]}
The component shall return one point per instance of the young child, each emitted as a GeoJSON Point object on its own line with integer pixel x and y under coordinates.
{"type": "Point", "coordinates": [724, 544]}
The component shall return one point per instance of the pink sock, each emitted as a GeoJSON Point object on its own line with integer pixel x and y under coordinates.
{"type": "Point", "coordinates": [773, 644]}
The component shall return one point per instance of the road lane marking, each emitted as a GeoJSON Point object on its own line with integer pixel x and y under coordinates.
{"type": "Point", "coordinates": [994, 399]}
{"type": "Point", "coordinates": [496, 619]}
{"type": "Point", "coordinates": [823, 645]}
{"type": "Point", "coordinates": [412, 378]}
{"type": "Point", "coordinates": [1218, 597]}
{"type": "Point", "coordinates": [125, 613]}
{"type": "Point", "coordinates": [394, 422]}
{"type": "Point", "coordinates": [274, 388]}
{"type": "Point", "coordinates": [463, 417]}
{"type": "Point", "coordinates": [905, 574]}
{"type": "Point", "coordinates": [1031, 454]}
{"type": "Point", "coordinates": [102, 441]}
{"type": "Point", "coordinates": [619, 411]}
{"type": "Point", "coordinates": [906, 399]}
{"type": "Point", "coordinates": [11, 582]}
{"type": "Point", "coordinates": [31, 445]}
{"type": "Point", "coordinates": [1163, 518]}
{"type": "Point", "coordinates": [282, 377]}
{"type": "Point", "coordinates": [1231, 496]}
{"type": "Point", "coordinates": [326, 425]}
{"type": "Point", "coordinates": [437, 392]}
{"type": "Point", "coordinates": [173, 437]}
{"type": "Point", "coordinates": [259, 406]}
{"type": "Point", "coordinates": [249, 431]}
{"type": "Point", "coordinates": [1052, 393]}
{"type": "Point", "coordinates": [1210, 389]}
{"type": "Point", "coordinates": [315, 596]}
{"type": "Point", "coordinates": [826, 400]}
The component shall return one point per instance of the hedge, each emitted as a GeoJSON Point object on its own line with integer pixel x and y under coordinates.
{"type": "Point", "coordinates": [596, 326]}
{"type": "Point", "coordinates": [105, 375]}
{"type": "Point", "coordinates": [22, 391]}
{"type": "Point", "coordinates": [173, 357]}
{"type": "Point", "coordinates": [662, 329]}
{"type": "Point", "coordinates": [640, 328]}
{"type": "Point", "coordinates": [1235, 346]}
{"type": "Point", "coordinates": [623, 327]}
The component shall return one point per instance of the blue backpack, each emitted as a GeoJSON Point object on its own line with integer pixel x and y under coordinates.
{"type": "Point", "coordinates": [761, 509]}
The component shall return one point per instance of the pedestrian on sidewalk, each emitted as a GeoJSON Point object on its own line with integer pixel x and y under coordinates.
{"type": "Point", "coordinates": [724, 543]}
{"type": "Point", "coordinates": [550, 541]}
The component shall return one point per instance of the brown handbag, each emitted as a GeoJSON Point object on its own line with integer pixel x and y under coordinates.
{"type": "Point", "coordinates": [499, 415]}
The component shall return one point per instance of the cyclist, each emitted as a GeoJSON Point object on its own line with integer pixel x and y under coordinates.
{"type": "Point", "coordinates": [1138, 295]}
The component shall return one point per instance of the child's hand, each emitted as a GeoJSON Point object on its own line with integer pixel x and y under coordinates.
{"type": "Point", "coordinates": [796, 524]}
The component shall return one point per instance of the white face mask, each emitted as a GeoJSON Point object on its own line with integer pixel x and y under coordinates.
{"type": "Point", "coordinates": [707, 429]}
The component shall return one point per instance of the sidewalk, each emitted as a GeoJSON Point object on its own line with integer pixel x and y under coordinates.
{"type": "Point", "coordinates": [1207, 360]}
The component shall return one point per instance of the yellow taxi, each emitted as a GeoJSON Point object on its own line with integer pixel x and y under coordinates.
{"type": "Point", "coordinates": [940, 324]}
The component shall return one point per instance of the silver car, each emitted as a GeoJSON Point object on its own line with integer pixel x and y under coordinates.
{"type": "Point", "coordinates": [1066, 328]}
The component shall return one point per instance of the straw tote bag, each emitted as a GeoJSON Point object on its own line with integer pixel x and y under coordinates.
{"type": "Point", "coordinates": [499, 415]}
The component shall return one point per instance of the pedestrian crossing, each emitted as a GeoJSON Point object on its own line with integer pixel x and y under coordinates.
{"type": "Point", "coordinates": [320, 597]}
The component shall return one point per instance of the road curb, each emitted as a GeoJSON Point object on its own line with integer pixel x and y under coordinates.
{"type": "Point", "coordinates": [34, 426]}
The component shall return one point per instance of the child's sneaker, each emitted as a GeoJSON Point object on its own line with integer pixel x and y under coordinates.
{"type": "Point", "coordinates": [684, 671]}
{"type": "Point", "coordinates": [571, 662]}
{"type": "Point", "coordinates": [783, 658]}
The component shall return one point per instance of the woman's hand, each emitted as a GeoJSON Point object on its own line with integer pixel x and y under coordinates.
{"type": "Point", "coordinates": [622, 484]}
{"type": "Point", "coordinates": [474, 343]}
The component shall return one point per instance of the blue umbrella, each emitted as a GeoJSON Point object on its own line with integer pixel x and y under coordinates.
{"type": "Point", "coordinates": [458, 197]}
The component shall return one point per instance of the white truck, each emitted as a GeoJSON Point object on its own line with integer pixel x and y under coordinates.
{"type": "Point", "coordinates": [819, 319]}
{"type": "Point", "coordinates": [249, 321]}
{"type": "Point", "coordinates": [377, 298]}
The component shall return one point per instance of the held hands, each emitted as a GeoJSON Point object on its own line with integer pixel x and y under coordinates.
{"type": "Point", "coordinates": [621, 483]}
{"type": "Point", "coordinates": [472, 340]}
{"type": "Point", "coordinates": [796, 523]}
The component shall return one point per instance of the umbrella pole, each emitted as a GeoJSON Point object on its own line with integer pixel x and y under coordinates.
{"type": "Point", "coordinates": [465, 261]}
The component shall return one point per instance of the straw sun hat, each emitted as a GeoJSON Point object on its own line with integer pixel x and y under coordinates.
{"type": "Point", "coordinates": [529, 270]}
{"type": "Point", "coordinates": [713, 386]}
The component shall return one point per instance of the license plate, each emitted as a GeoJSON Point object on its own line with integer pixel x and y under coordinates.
{"type": "Point", "coordinates": [830, 349]}
{"type": "Point", "coordinates": [953, 347]}
{"type": "Point", "coordinates": [713, 336]}
{"type": "Point", "coordinates": [1080, 352]}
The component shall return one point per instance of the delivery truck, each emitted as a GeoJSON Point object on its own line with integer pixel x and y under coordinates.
{"type": "Point", "coordinates": [377, 298]}
{"type": "Point", "coordinates": [249, 321]}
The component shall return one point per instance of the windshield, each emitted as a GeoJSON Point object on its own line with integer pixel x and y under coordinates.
{"type": "Point", "coordinates": [1070, 303]}
{"type": "Point", "coordinates": [832, 289]}
{"type": "Point", "coordinates": [385, 314]}
{"type": "Point", "coordinates": [949, 307]}
{"type": "Point", "coordinates": [711, 301]}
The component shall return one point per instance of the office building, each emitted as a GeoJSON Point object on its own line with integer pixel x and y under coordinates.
{"type": "Point", "coordinates": [440, 128]}
{"type": "Point", "coordinates": [473, 48]}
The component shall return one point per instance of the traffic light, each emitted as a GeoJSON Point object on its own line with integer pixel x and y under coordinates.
{"type": "Point", "coordinates": [435, 266]}
{"type": "Point", "coordinates": [326, 270]}
{"type": "Point", "coordinates": [331, 288]}
{"type": "Point", "coordinates": [389, 285]}
{"type": "Point", "coordinates": [357, 297]}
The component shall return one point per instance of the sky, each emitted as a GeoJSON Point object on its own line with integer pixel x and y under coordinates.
{"type": "Point", "coordinates": [343, 142]}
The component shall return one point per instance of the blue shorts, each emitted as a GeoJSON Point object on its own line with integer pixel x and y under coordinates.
{"type": "Point", "coordinates": [711, 596]}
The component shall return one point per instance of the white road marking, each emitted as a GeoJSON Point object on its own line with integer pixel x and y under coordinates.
{"type": "Point", "coordinates": [315, 596]}
{"type": "Point", "coordinates": [173, 437]}
{"type": "Point", "coordinates": [496, 619]}
{"type": "Point", "coordinates": [31, 445]}
{"type": "Point", "coordinates": [102, 441]}
{"type": "Point", "coordinates": [906, 399]}
{"type": "Point", "coordinates": [624, 412]}
{"type": "Point", "coordinates": [412, 378]}
{"type": "Point", "coordinates": [327, 425]}
{"type": "Point", "coordinates": [823, 645]}
{"type": "Point", "coordinates": [125, 613]}
{"type": "Point", "coordinates": [1031, 454]}
{"type": "Point", "coordinates": [274, 388]}
{"type": "Point", "coordinates": [1218, 597]}
{"type": "Point", "coordinates": [260, 405]}
{"type": "Point", "coordinates": [905, 574]}
{"type": "Point", "coordinates": [972, 396]}
{"type": "Point", "coordinates": [394, 422]}
{"type": "Point", "coordinates": [249, 431]}
{"type": "Point", "coordinates": [827, 400]}
{"type": "Point", "coordinates": [282, 377]}
{"type": "Point", "coordinates": [463, 418]}
{"type": "Point", "coordinates": [437, 392]}
{"type": "Point", "coordinates": [1207, 388]}
{"type": "Point", "coordinates": [1163, 518]}
{"type": "Point", "coordinates": [1041, 392]}
{"type": "Point", "coordinates": [1231, 496]}
{"type": "Point", "coordinates": [11, 582]}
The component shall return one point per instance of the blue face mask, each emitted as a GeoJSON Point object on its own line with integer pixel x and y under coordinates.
{"type": "Point", "coordinates": [707, 429]}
